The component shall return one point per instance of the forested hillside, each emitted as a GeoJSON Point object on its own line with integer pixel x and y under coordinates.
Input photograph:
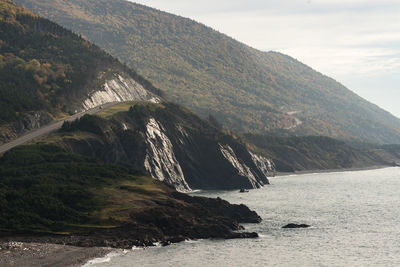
{"type": "Point", "coordinates": [300, 153]}
{"type": "Point", "coordinates": [210, 73]}
{"type": "Point", "coordinates": [45, 190]}
{"type": "Point", "coordinates": [40, 63]}
{"type": "Point", "coordinates": [46, 71]}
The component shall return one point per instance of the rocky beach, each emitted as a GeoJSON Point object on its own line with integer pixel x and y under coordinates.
{"type": "Point", "coordinates": [174, 220]}
{"type": "Point", "coordinates": [43, 254]}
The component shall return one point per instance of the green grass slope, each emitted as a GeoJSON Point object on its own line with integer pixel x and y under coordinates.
{"type": "Point", "coordinates": [45, 189]}
{"type": "Point", "coordinates": [210, 73]}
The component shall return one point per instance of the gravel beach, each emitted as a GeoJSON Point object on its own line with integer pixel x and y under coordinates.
{"type": "Point", "coordinates": [37, 254]}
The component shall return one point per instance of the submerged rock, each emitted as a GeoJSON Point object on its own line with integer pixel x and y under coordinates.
{"type": "Point", "coordinates": [293, 225]}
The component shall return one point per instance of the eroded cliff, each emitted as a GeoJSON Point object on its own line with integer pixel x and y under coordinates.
{"type": "Point", "coordinates": [169, 143]}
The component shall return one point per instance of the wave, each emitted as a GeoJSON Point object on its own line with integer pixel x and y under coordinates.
{"type": "Point", "coordinates": [105, 259]}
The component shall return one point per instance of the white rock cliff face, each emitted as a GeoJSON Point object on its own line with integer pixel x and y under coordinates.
{"type": "Point", "coordinates": [265, 165]}
{"type": "Point", "coordinates": [119, 89]}
{"type": "Point", "coordinates": [162, 164]}
{"type": "Point", "coordinates": [242, 168]}
{"type": "Point", "coordinates": [160, 159]}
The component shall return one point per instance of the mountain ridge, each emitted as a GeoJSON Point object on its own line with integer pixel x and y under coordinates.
{"type": "Point", "coordinates": [211, 73]}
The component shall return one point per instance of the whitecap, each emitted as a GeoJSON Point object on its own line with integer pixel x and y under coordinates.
{"type": "Point", "coordinates": [105, 259]}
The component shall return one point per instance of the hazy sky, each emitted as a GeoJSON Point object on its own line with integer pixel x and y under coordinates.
{"type": "Point", "coordinates": [356, 42]}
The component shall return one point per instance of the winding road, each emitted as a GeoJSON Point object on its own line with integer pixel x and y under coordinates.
{"type": "Point", "coordinates": [50, 128]}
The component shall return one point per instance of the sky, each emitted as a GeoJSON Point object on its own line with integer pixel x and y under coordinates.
{"type": "Point", "coordinates": [356, 42]}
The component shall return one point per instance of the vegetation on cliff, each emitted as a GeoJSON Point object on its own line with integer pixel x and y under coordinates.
{"type": "Point", "coordinates": [169, 143]}
{"type": "Point", "coordinates": [118, 135]}
{"type": "Point", "coordinates": [44, 66]}
{"type": "Point", "coordinates": [316, 153]}
{"type": "Point", "coordinates": [210, 73]}
{"type": "Point", "coordinates": [44, 189]}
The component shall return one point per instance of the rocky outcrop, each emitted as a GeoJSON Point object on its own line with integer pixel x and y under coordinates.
{"type": "Point", "coordinates": [173, 145]}
{"type": "Point", "coordinates": [175, 219]}
{"type": "Point", "coordinates": [160, 161]}
{"type": "Point", "coordinates": [30, 121]}
{"type": "Point", "coordinates": [264, 164]}
{"type": "Point", "coordinates": [86, 194]}
{"type": "Point", "coordinates": [243, 169]}
{"type": "Point", "coordinates": [118, 89]}
{"type": "Point", "coordinates": [294, 225]}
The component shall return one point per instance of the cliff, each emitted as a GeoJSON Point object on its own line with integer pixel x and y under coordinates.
{"type": "Point", "coordinates": [168, 143]}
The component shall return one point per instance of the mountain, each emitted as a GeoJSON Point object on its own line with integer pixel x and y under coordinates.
{"type": "Point", "coordinates": [43, 81]}
{"type": "Point", "coordinates": [51, 196]}
{"type": "Point", "coordinates": [305, 153]}
{"type": "Point", "coordinates": [171, 144]}
{"type": "Point", "coordinates": [167, 142]}
{"type": "Point", "coordinates": [211, 73]}
{"type": "Point", "coordinates": [48, 73]}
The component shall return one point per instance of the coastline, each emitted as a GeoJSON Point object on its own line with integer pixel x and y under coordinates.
{"type": "Point", "coordinates": [201, 218]}
{"type": "Point", "coordinates": [33, 252]}
{"type": "Point", "coordinates": [47, 254]}
{"type": "Point", "coordinates": [375, 167]}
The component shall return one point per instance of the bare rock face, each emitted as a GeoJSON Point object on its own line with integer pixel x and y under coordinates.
{"type": "Point", "coordinates": [118, 89]}
{"type": "Point", "coordinates": [31, 121]}
{"type": "Point", "coordinates": [160, 159]}
{"type": "Point", "coordinates": [173, 145]}
{"type": "Point", "coordinates": [189, 161]}
{"type": "Point", "coordinates": [262, 165]}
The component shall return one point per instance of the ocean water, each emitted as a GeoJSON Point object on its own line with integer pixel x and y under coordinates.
{"type": "Point", "coordinates": [355, 218]}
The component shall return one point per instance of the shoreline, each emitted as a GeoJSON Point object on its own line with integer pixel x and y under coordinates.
{"type": "Point", "coordinates": [355, 169]}
{"type": "Point", "coordinates": [36, 253]}
{"type": "Point", "coordinates": [47, 254]}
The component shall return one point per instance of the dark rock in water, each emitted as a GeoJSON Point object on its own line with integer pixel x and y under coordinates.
{"type": "Point", "coordinates": [242, 190]}
{"type": "Point", "coordinates": [242, 235]}
{"type": "Point", "coordinates": [241, 213]}
{"type": "Point", "coordinates": [293, 225]}
{"type": "Point", "coordinates": [165, 243]}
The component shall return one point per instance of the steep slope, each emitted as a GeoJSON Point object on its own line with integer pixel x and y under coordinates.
{"type": "Point", "coordinates": [47, 73]}
{"type": "Point", "coordinates": [210, 73]}
{"type": "Point", "coordinates": [169, 143]}
{"type": "Point", "coordinates": [320, 153]}
{"type": "Point", "coordinates": [45, 190]}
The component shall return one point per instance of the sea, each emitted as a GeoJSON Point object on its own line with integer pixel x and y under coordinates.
{"type": "Point", "coordinates": [354, 218]}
